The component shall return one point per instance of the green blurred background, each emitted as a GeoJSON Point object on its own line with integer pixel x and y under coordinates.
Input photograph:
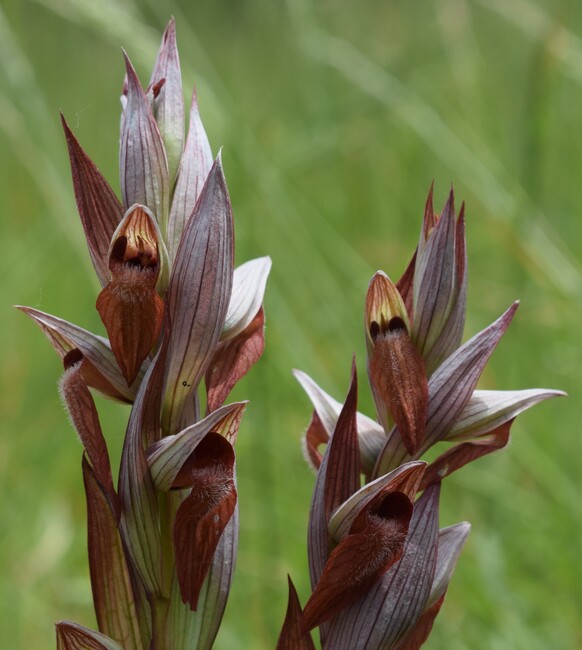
{"type": "Point", "coordinates": [335, 116]}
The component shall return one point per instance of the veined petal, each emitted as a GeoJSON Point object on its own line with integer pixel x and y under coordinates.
{"type": "Point", "coordinates": [464, 453]}
{"type": "Point", "coordinates": [99, 208]}
{"type": "Point", "coordinates": [371, 434]}
{"type": "Point", "coordinates": [204, 514]}
{"type": "Point", "coordinates": [64, 337]}
{"type": "Point", "coordinates": [195, 166]}
{"type": "Point", "coordinates": [142, 159]}
{"type": "Point", "coordinates": [337, 479]}
{"type": "Point", "coordinates": [449, 339]}
{"type": "Point", "coordinates": [198, 295]}
{"type": "Point", "coordinates": [113, 596]}
{"type": "Point", "coordinates": [71, 636]}
{"type": "Point", "coordinates": [248, 290]}
{"type": "Point", "coordinates": [292, 636]}
{"type": "Point", "coordinates": [167, 457]}
{"type": "Point", "coordinates": [488, 409]}
{"type": "Point", "coordinates": [169, 103]}
{"type": "Point", "coordinates": [434, 280]}
{"type": "Point", "coordinates": [233, 359]}
{"type": "Point", "coordinates": [139, 524]}
{"type": "Point", "coordinates": [385, 309]}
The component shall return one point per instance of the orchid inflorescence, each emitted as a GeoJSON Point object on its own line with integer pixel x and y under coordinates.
{"type": "Point", "coordinates": [379, 565]}
{"type": "Point", "coordinates": [183, 327]}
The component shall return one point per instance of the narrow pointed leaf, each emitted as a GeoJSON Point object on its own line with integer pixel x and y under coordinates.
{"type": "Point", "coordinates": [113, 596]}
{"type": "Point", "coordinates": [142, 159]}
{"type": "Point", "coordinates": [65, 336]}
{"type": "Point", "coordinates": [204, 514]}
{"type": "Point", "coordinates": [488, 409]}
{"type": "Point", "coordinates": [371, 434]}
{"type": "Point", "coordinates": [337, 479]}
{"type": "Point", "coordinates": [233, 359]}
{"type": "Point", "coordinates": [169, 103]}
{"type": "Point", "coordinates": [248, 290]}
{"type": "Point", "coordinates": [167, 457]}
{"type": "Point", "coordinates": [198, 295]}
{"type": "Point", "coordinates": [81, 408]}
{"type": "Point", "coordinates": [194, 169]}
{"type": "Point", "coordinates": [71, 636]}
{"type": "Point", "coordinates": [292, 636]}
{"type": "Point", "coordinates": [466, 452]}
{"type": "Point", "coordinates": [99, 208]}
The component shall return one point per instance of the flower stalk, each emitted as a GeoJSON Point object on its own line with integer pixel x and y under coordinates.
{"type": "Point", "coordinates": [379, 565]}
{"type": "Point", "coordinates": [183, 327]}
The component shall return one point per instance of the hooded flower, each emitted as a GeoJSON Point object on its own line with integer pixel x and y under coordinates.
{"type": "Point", "coordinates": [183, 326]}
{"type": "Point", "coordinates": [375, 551]}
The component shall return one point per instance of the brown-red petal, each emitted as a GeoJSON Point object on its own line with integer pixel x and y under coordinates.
{"type": "Point", "coordinates": [132, 313]}
{"type": "Point", "coordinates": [204, 514]}
{"type": "Point", "coordinates": [398, 375]}
{"type": "Point", "coordinates": [233, 359]}
{"type": "Point", "coordinates": [464, 453]}
{"type": "Point", "coordinates": [360, 559]}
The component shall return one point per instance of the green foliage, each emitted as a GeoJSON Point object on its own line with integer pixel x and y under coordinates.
{"type": "Point", "coordinates": [334, 117]}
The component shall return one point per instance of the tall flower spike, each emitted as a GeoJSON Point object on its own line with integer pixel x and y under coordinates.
{"type": "Point", "coordinates": [379, 566]}
{"type": "Point", "coordinates": [162, 549]}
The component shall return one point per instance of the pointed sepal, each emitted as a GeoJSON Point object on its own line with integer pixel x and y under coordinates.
{"type": "Point", "coordinates": [198, 295]}
{"type": "Point", "coordinates": [195, 166]}
{"type": "Point", "coordinates": [142, 159]}
{"type": "Point", "coordinates": [292, 636]}
{"type": "Point", "coordinates": [99, 208]}
{"type": "Point", "coordinates": [168, 106]}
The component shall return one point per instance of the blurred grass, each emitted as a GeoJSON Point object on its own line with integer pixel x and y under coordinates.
{"type": "Point", "coordinates": [334, 117]}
